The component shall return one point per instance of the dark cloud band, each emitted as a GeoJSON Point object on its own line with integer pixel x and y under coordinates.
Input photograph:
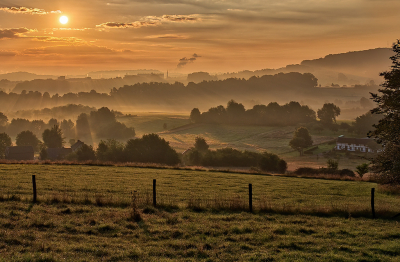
{"type": "Point", "coordinates": [26, 10]}
{"type": "Point", "coordinates": [13, 32]}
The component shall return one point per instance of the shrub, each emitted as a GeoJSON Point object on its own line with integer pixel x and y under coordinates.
{"type": "Point", "coordinates": [362, 169]}
{"type": "Point", "coordinates": [43, 153]}
{"type": "Point", "coordinates": [347, 172]}
{"type": "Point", "coordinates": [201, 144]}
{"type": "Point", "coordinates": [110, 150]}
{"type": "Point", "coordinates": [151, 149]}
{"type": "Point", "coordinates": [324, 171]}
{"type": "Point", "coordinates": [282, 166]}
{"type": "Point", "coordinates": [333, 164]}
{"type": "Point", "coordinates": [85, 153]}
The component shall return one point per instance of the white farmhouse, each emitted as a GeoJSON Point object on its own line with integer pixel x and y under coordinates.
{"type": "Point", "coordinates": [356, 144]}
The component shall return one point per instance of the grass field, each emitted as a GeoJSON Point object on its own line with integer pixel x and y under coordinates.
{"type": "Point", "coordinates": [83, 214]}
{"type": "Point", "coordinates": [113, 186]}
{"type": "Point", "coordinates": [181, 136]}
{"type": "Point", "coordinates": [254, 138]}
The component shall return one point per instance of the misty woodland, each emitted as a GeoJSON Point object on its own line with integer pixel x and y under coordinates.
{"type": "Point", "coordinates": [202, 130]}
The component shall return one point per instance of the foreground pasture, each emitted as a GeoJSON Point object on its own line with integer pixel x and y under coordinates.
{"type": "Point", "coordinates": [66, 232]}
{"type": "Point", "coordinates": [84, 213]}
{"type": "Point", "coordinates": [114, 185]}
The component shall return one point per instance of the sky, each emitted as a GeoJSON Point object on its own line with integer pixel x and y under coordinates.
{"type": "Point", "coordinates": [185, 36]}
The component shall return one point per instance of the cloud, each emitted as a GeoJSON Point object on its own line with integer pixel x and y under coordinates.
{"type": "Point", "coordinates": [7, 53]}
{"type": "Point", "coordinates": [168, 36]}
{"type": "Point", "coordinates": [151, 21]}
{"type": "Point", "coordinates": [184, 61]}
{"type": "Point", "coordinates": [136, 24]}
{"type": "Point", "coordinates": [59, 39]}
{"type": "Point", "coordinates": [14, 32]}
{"type": "Point", "coordinates": [180, 18]}
{"type": "Point", "coordinates": [27, 10]}
{"type": "Point", "coordinates": [74, 50]}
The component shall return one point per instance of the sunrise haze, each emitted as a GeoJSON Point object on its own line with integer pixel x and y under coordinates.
{"type": "Point", "coordinates": [186, 36]}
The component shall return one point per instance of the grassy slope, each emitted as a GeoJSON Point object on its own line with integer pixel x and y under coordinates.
{"type": "Point", "coordinates": [76, 232]}
{"type": "Point", "coordinates": [253, 138]}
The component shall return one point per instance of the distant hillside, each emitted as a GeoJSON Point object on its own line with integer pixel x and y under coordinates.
{"type": "Point", "coordinates": [348, 68]}
{"type": "Point", "coordinates": [358, 60]}
{"type": "Point", "coordinates": [24, 76]}
{"type": "Point", "coordinates": [121, 73]}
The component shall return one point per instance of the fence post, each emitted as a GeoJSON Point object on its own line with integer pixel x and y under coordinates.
{"type": "Point", "coordinates": [373, 202]}
{"type": "Point", "coordinates": [154, 193]}
{"type": "Point", "coordinates": [251, 198]}
{"type": "Point", "coordinates": [34, 188]}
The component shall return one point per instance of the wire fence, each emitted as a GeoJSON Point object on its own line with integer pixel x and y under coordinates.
{"type": "Point", "coordinates": [245, 197]}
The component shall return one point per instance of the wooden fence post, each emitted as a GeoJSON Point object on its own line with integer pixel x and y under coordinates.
{"type": "Point", "coordinates": [251, 197]}
{"type": "Point", "coordinates": [373, 202]}
{"type": "Point", "coordinates": [34, 188]}
{"type": "Point", "coordinates": [154, 193]}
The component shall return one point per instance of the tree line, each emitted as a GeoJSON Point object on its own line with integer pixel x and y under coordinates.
{"type": "Point", "coordinates": [201, 155]}
{"type": "Point", "coordinates": [101, 123]}
{"type": "Point", "coordinates": [158, 93]}
{"type": "Point", "coordinates": [272, 114]}
{"type": "Point", "coordinates": [148, 149]}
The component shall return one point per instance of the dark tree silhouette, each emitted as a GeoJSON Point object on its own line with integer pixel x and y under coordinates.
{"type": "Point", "coordinates": [53, 122]}
{"type": "Point", "coordinates": [235, 112]}
{"type": "Point", "coordinates": [3, 119]}
{"type": "Point", "coordinates": [67, 127]}
{"type": "Point", "coordinates": [17, 126]}
{"type": "Point", "coordinates": [85, 153]}
{"type": "Point", "coordinates": [5, 141]}
{"type": "Point", "coordinates": [365, 123]}
{"type": "Point", "coordinates": [53, 138]}
{"type": "Point", "coordinates": [366, 103]}
{"type": "Point", "coordinates": [328, 113]}
{"type": "Point", "coordinates": [28, 138]}
{"type": "Point", "coordinates": [151, 149]}
{"type": "Point", "coordinates": [201, 144]}
{"type": "Point", "coordinates": [272, 115]}
{"type": "Point", "coordinates": [104, 123]}
{"type": "Point", "coordinates": [195, 115]}
{"type": "Point", "coordinates": [301, 139]}
{"type": "Point", "coordinates": [83, 129]}
{"type": "Point", "coordinates": [387, 131]}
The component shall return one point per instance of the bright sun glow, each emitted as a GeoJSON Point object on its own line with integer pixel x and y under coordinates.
{"type": "Point", "coordinates": [63, 20]}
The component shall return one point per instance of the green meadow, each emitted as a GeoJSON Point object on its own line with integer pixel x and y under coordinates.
{"type": "Point", "coordinates": [114, 185]}
{"type": "Point", "coordinates": [84, 213]}
{"type": "Point", "coordinates": [181, 136]}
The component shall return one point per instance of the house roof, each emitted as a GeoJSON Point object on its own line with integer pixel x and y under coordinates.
{"type": "Point", "coordinates": [357, 141]}
{"type": "Point", "coordinates": [77, 145]}
{"type": "Point", "coordinates": [20, 149]}
{"type": "Point", "coordinates": [351, 140]}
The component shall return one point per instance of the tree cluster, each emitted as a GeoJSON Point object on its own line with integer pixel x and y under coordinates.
{"type": "Point", "coordinates": [102, 123]}
{"type": "Point", "coordinates": [229, 157]}
{"type": "Point", "coordinates": [301, 139]}
{"type": "Point", "coordinates": [272, 114]}
{"type": "Point", "coordinates": [149, 149]}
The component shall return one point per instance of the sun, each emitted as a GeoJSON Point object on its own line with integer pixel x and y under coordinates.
{"type": "Point", "coordinates": [63, 20]}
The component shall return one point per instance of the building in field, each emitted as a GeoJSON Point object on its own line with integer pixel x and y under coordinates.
{"type": "Point", "coordinates": [58, 153]}
{"type": "Point", "coordinates": [364, 145]}
{"type": "Point", "coordinates": [75, 147]}
{"type": "Point", "coordinates": [19, 153]}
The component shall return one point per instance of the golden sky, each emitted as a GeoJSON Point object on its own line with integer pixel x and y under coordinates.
{"type": "Point", "coordinates": [187, 35]}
